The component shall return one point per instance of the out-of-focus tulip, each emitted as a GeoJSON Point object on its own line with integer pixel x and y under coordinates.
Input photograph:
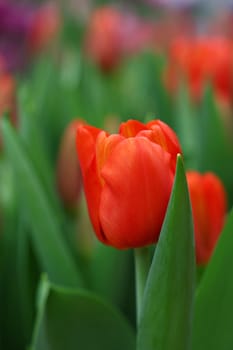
{"type": "Point", "coordinates": [112, 35]}
{"type": "Point", "coordinates": [199, 61]}
{"type": "Point", "coordinates": [45, 26]}
{"type": "Point", "coordinates": [127, 180]}
{"type": "Point", "coordinates": [173, 24]}
{"type": "Point", "coordinates": [7, 94]}
{"type": "Point", "coordinates": [69, 180]}
{"type": "Point", "coordinates": [209, 205]}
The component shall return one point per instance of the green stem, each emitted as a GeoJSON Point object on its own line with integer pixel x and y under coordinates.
{"type": "Point", "coordinates": [142, 264]}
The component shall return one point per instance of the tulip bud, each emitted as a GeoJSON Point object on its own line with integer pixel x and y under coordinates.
{"type": "Point", "coordinates": [127, 180]}
{"type": "Point", "coordinates": [209, 205]}
{"type": "Point", "coordinates": [69, 181]}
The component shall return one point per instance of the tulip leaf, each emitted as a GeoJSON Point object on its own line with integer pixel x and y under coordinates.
{"type": "Point", "coordinates": [47, 239]}
{"type": "Point", "coordinates": [213, 318]}
{"type": "Point", "coordinates": [75, 319]}
{"type": "Point", "coordinates": [186, 125]}
{"type": "Point", "coordinates": [214, 146]}
{"type": "Point", "coordinates": [30, 129]}
{"type": "Point", "coordinates": [110, 272]}
{"type": "Point", "coordinates": [10, 289]}
{"type": "Point", "coordinates": [166, 313]}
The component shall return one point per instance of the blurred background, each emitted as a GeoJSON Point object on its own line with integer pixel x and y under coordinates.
{"type": "Point", "coordinates": [67, 62]}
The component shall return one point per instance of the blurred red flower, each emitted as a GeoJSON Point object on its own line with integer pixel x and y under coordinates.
{"type": "Point", "coordinates": [199, 61]}
{"type": "Point", "coordinates": [112, 35]}
{"type": "Point", "coordinates": [69, 182]}
{"type": "Point", "coordinates": [45, 25]}
{"type": "Point", "coordinates": [209, 205]}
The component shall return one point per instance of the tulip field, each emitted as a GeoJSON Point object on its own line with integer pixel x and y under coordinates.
{"type": "Point", "coordinates": [116, 175]}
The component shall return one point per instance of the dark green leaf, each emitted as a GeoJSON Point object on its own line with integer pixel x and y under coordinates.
{"type": "Point", "coordinates": [109, 272]}
{"type": "Point", "coordinates": [75, 319]}
{"type": "Point", "coordinates": [168, 298]}
{"type": "Point", "coordinates": [214, 145]}
{"type": "Point", "coordinates": [214, 299]}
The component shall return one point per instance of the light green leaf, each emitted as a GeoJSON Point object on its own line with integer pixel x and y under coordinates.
{"type": "Point", "coordinates": [166, 314]}
{"type": "Point", "coordinates": [49, 244]}
{"type": "Point", "coordinates": [186, 125]}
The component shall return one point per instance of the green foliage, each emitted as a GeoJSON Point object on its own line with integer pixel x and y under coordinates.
{"type": "Point", "coordinates": [77, 319]}
{"type": "Point", "coordinates": [167, 308]}
{"type": "Point", "coordinates": [213, 303]}
{"type": "Point", "coordinates": [49, 244]}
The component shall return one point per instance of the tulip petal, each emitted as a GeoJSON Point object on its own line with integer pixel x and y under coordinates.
{"type": "Point", "coordinates": [94, 147]}
{"type": "Point", "coordinates": [165, 136]}
{"type": "Point", "coordinates": [135, 194]}
{"type": "Point", "coordinates": [104, 147]}
{"type": "Point", "coordinates": [86, 145]}
{"type": "Point", "coordinates": [131, 128]}
{"type": "Point", "coordinates": [172, 142]}
{"type": "Point", "coordinates": [85, 142]}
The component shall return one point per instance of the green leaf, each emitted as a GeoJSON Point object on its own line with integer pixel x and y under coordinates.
{"type": "Point", "coordinates": [10, 316]}
{"type": "Point", "coordinates": [75, 319]}
{"type": "Point", "coordinates": [49, 244]}
{"type": "Point", "coordinates": [26, 280]}
{"type": "Point", "coordinates": [213, 317]}
{"type": "Point", "coordinates": [141, 89]}
{"type": "Point", "coordinates": [214, 145]}
{"type": "Point", "coordinates": [110, 272]}
{"type": "Point", "coordinates": [166, 314]}
{"type": "Point", "coordinates": [186, 125]}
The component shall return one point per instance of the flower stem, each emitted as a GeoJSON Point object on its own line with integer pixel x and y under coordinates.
{"type": "Point", "coordinates": [142, 264]}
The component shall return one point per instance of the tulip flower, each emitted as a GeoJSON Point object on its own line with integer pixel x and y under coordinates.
{"type": "Point", "coordinates": [200, 61]}
{"type": "Point", "coordinates": [127, 180]}
{"type": "Point", "coordinates": [69, 182]}
{"type": "Point", "coordinates": [209, 205]}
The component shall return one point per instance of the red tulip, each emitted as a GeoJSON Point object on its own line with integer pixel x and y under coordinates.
{"type": "Point", "coordinates": [208, 199]}
{"type": "Point", "coordinates": [199, 61]}
{"type": "Point", "coordinates": [127, 180]}
{"type": "Point", "coordinates": [69, 182]}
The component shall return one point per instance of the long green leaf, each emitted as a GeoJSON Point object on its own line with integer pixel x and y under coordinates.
{"type": "Point", "coordinates": [168, 298]}
{"type": "Point", "coordinates": [26, 279]}
{"type": "Point", "coordinates": [75, 319]}
{"type": "Point", "coordinates": [186, 125]}
{"type": "Point", "coordinates": [213, 320]}
{"type": "Point", "coordinates": [214, 145]}
{"type": "Point", "coordinates": [49, 244]}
